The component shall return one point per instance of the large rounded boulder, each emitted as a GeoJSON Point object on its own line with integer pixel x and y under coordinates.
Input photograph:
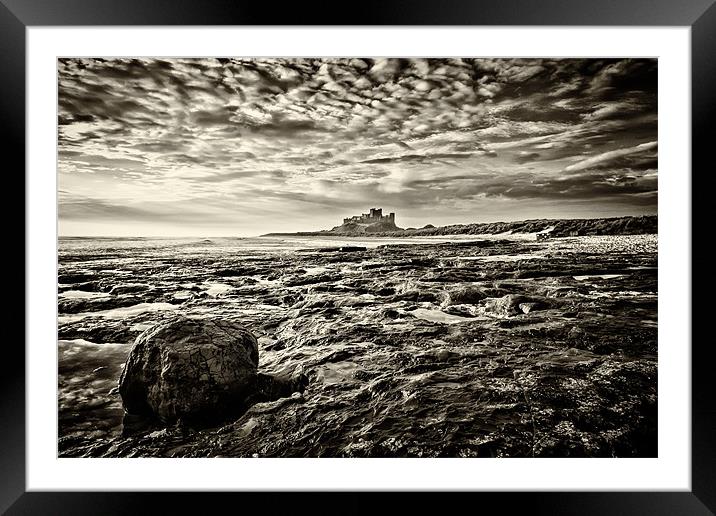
{"type": "Point", "coordinates": [191, 369]}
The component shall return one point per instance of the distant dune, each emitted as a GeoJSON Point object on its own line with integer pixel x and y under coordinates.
{"type": "Point", "coordinates": [647, 224]}
{"type": "Point", "coordinates": [351, 228]}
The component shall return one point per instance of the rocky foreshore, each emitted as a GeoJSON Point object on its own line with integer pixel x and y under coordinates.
{"type": "Point", "coordinates": [479, 348]}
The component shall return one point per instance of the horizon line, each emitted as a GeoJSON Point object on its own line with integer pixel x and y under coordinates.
{"type": "Point", "coordinates": [320, 230]}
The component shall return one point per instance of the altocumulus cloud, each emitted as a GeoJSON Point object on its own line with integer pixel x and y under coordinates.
{"type": "Point", "coordinates": [246, 146]}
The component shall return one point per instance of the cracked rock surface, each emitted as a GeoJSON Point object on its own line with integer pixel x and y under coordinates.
{"type": "Point", "coordinates": [195, 369]}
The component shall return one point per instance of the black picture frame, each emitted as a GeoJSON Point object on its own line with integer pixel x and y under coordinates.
{"type": "Point", "coordinates": [17, 15]}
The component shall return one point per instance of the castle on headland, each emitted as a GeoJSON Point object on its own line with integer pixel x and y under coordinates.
{"type": "Point", "coordinates": [375, 215]}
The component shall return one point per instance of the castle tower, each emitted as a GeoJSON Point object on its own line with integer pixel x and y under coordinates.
{"type": "Point", "coordinates": [374, 215]}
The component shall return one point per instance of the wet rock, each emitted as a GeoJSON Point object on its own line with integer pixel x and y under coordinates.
{"type": "Point", "coordinates": [505, 306]}
{"type": "Point", "coordinates": [385, 291]}
{"type": "Point", "coordinates": [423, 262]}
{"type": "Point", "coordinates": [314, 302]}
{"type": "Point", "coordinates": [87, 286]}
{"type": "Point", "coordinates": [231, 273]}
{"type": "Point", "coordinates": [452, 276]}
{"type": "Point", "coordinates": [106, 284]}
{"type": "Point", "coordinates": [76, 306]}
{"type": "Point", "coordinates": [269, 388]}
{"type": "Point", "coordinates": [296, 281]}
{"type": "Point", "coordinates": [416, 295]}
{"type": "Point", "coordinates": [194, 369]}
{"type": "Point", "coordinates": [390, 313]}
{"type": "Point", "coordinates": [528, 307]}
{"type": "Point", "coordinates": [288, 299]}
{"type": "Point", "coordinates": [99, 331]}
{"type": "Point", "coordinates": [576, 333]}
{"type": "Point", "coordinates": [439, 354]}
{"type": "Point", "coordinates": [463, 296]}
{"type": "Point", "coordinates": [461, 310]}
{"type": "Point", "coordinates": [128, 288]}
{"type": "Point", "coordinates": [77, 277]}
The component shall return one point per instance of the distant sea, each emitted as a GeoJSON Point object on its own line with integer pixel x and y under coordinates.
{"type": "Point", "coordinates": [266, 244]}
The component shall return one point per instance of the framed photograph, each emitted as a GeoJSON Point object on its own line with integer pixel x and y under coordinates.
{"type": "Point", "coordinates": [415, 249]}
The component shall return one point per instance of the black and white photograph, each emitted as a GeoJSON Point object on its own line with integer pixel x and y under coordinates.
{"type": "Point", "coordinates": [357, 257]}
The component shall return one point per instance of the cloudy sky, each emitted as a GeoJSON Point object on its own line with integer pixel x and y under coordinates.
{"type": "Point", "coordinates": [247, 146]}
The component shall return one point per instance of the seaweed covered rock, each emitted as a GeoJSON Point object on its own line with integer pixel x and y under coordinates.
{"type": "Point", "coordinates": [191, 369]}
